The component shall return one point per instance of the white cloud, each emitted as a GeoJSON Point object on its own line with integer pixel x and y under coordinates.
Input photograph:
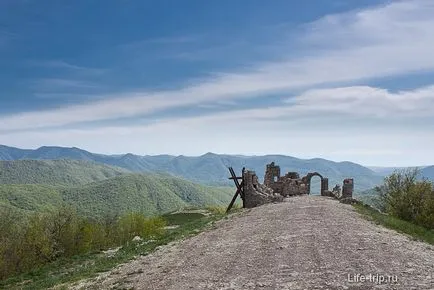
{"type": "Point", "coordinates": [55, 83]}
{"type": "Point", "coordinates": [66, 66]}
{"type": "Point", "coordinates": [313, 124]}
{"type": "Point", "coordinates": [379, 126]}
{"type": "Point", "coordinates": [389, 40]}
{"type": "Point", "coordinates": [367, 101]}
{"type": "Point", "coordinates": [238, 135]}
{"type": "Point", "coordinates": [353, 101]}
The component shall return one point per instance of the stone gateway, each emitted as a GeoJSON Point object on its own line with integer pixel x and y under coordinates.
{"type": "Point", "coordinates": [277, 187]}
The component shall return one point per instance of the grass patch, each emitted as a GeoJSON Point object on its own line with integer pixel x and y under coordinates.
{"type": "Point", "coordinates": [182, 218]}
{"type": "Point", "coordinates": [68, 270]}
{"type": "Point", "coordinates": [222, 209]}
{"type": "Point", "coordinates": [399, 225]}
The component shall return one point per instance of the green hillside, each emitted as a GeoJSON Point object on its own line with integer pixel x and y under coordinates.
{"type": "Point", "coordinates": [55, 172]}
{"type": "Point", "coordinates": [150, 194]}
{"type": "Point", "coordinates": [29, 197]}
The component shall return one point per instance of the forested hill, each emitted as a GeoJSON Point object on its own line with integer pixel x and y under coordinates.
{"type": "Point", "coordinates": [210, 168]}
{"type": "Point", "coordinates": [146, 193]}
{"type": "Point", "coordinates": [55, 172]}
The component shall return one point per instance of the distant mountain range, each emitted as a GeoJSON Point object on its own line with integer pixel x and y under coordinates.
{"type": "Point", "coordinates": [209, 169]}
{"type": "Point", "coordinates": [428, 172]}
{"type": "Point", "coordinates": [99, 185]}
{"type": "Point", "coordinates": [425, 171]}
{"type": "Point", "coordinates": [384, 171]}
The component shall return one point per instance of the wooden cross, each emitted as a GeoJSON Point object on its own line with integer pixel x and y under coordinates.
{"type": "Point", "coordinates": [239, 186]}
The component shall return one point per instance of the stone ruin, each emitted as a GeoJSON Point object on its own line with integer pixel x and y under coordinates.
{"type": "Point", "coordinates": [348, 188]}
{"type": "Point", "coordinates": [276, 187]}
{"type": "Point", "coordinates": [256, 193]}
{"type": "Point", "coordinates": [347, 191]}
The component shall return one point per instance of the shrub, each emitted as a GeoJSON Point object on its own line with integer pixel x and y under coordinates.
{"type": "Point", "coordinates": [136, 224]}
{"type": "Point", "coordinates": [63, 227]}
{"type": "Point", "coordinates": [10, 237]}
{"type": "Point", "coordinates": [217, 210]}
{"type": "Point", "coordinates": [36, 247]}
{"type": "Point", "coordinates": [92, 236]}
{"type": "Point", "coordinates": [408, 198]}
{"type": "Point", "coordinates": [28, 243]}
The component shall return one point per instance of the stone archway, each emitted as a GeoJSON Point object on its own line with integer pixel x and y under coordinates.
{"type": "Point", "coordinates": [324, 182]}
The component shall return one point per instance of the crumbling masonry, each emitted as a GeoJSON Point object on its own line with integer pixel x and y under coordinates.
{"type": "Point", "coordinates": [277, 187]}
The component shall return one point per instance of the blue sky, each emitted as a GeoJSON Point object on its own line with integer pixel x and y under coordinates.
{"type": "Point", "coordinates": [343, 80]}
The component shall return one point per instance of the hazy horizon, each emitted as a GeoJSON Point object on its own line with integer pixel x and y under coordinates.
{"type": "Point", "coordinates": [222, 153]}
{"type": "Point", "coordinates": [338, 80]}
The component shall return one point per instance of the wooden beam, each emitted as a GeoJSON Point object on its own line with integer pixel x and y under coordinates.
{"type": "Point", "coordinates": [240, 187]}
{"type": "Point", "coordinates": [237, 183]}
{"type": "Point", "coordinates": [243, 193]}
{"type": "Point", "coordinates": [234, 177]}
{"type": "Point", "coordinates": [239, 190]}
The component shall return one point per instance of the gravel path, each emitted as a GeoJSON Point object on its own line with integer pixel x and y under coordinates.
{"type": "Point", "coordinates": [306, 242]}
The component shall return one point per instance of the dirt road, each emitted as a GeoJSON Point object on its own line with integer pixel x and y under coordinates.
{"type": "Point", "coordinates": [305, 243]}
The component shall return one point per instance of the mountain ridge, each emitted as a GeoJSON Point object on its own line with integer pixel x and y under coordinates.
{"type": "Point", "coordinates": [209, 169]}
{"type": "Point", "coordinates": [428, 172]}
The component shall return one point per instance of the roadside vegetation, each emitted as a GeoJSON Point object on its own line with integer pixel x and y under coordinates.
{"type": "Point", "coordinates": [64, 220]}
{"type": "Point", "coordinates": [404, 203]}
{"type": "Point", "coordinates": [61, 247]}
{"type": "Point", "coordinates": [397, 224]}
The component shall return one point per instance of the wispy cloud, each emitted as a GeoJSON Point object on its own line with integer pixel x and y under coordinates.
{"type": "Point", "coordinates": [60, 64]}
{"type": "Point", "coordinates": [367, 101]}
{"type": "Point", "coordinates": [333, 105]}
{"type": "Point", "coordinates": [210, 52]}
{"type": "Point", "coordinates": [390, 40]}
{"type": "Point", "coordinates": [171, 40]}
{"type": "Point", "coordinates": [68, 96]}
{"type": "Point", "coordinates": [240, 133]}
{"type": "Point", "coordinates": [58, 83]}
{"type": "Point", "coordinates": [159, 41]}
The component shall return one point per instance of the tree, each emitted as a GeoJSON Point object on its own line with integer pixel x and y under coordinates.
{"type": "Point", "coordinates": [405, 196]}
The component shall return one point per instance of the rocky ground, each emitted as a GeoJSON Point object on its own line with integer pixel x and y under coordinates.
{"type": "Point", "coordinates": [305, 242]}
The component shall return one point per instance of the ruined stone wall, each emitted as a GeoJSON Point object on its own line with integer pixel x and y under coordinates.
{"type": "Point", "coordinates": [324, 185]}
{"type": "Point", "coordinates": [292, 175]}
{"type": "Point", "coordinates": [272, 174]}
{"type": "Point", "coordinates": [288, 185]}
{"type": "Point", "coordinates": [293, 187]}
{"type": "Point", "coordinates": [348, 188]}
{"type": "Point", "coordinates": [276, 187]}
{"type": "Point", "coordinates": [256, 194]}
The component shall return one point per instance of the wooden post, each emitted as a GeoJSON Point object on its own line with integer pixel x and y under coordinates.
{"type": "Point", "coordinates": [240, 188]}
{"type": "Point", "coordinates": [234, 198]}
